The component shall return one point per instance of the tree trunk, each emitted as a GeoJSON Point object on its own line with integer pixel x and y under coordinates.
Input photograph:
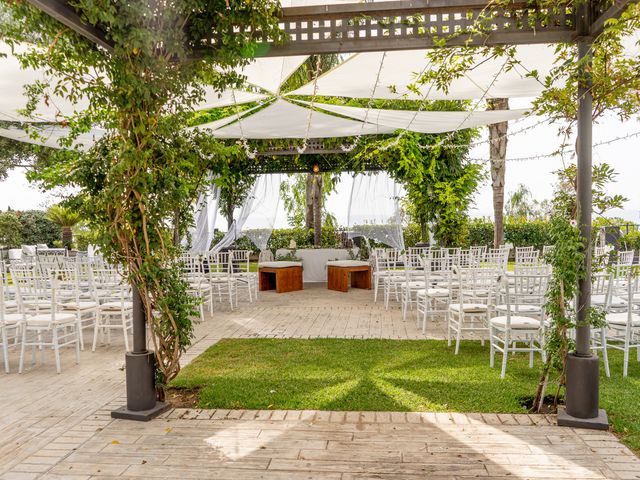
{"type": "Point", "coordinates": [67, 237]}
{"type": "Point", "coordinates": [228, 214]}
{"type": "Point", "coordinates": [423, 232]}
{"type": "Point", "coordinates": [497, 155]}
{"type": "Point", "coordinates": [317, 209]}
{"type": "Point", "coordinates": [176, 228]}
{"type": "Point", "coordinates": [308, 222]}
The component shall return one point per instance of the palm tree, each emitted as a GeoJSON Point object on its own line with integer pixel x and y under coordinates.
{"type": "Point", "coordinates": [66, 219]}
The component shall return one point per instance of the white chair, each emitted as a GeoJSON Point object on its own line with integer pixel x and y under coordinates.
{"type": "Point", "coordinates": [220, 279]}
{"type": "Point", "coordinates": [519, 324]}
{"type": "Point", "coordinates": [471, 310]}
{"type": "Point", "coordinates": [626, 258]}
{"type": "Point", "coordinates": [414, 281]}
{"type": "Point", "coordinates": [624, 326]}
{"type": "Point", "coordinates": [433, 299]}
{"type": "Point", "coordinates": [240, 270]}
{"type": "Point", "coordinates": [116, 307]}
{"type": "Point", "coordinates": [10, 329]}
{"type": "Point", "coordinates": [51, 329]}
{"type": "Point", "coordinates": [86, 308]}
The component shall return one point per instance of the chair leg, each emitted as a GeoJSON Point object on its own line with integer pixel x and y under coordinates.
{"type": "Point", "coordinates": [22, 347]}
{"type": "Point", "coordinates": [459, 333]}
{"type": "Point", "coordinates": [95, 330]}
{"type": "Point", "coordinates": [56, 348]}
{"type": "Point", "coordinates": [77, 342]}
{"type": "Point", "coordinates": [605, 353]}
{"type": "Point", "coordinates": [79, 327]}
{"type": "Point", "coordinates": [625, 365]}
{"type": "Point", "coordinates": [5, 348]}
{"type": "Point", "coordinates": [505, 355]}
{"type": "Point", "coordinates": [492, 350]}
{"type": "Point", "coordinates": [125, 332]}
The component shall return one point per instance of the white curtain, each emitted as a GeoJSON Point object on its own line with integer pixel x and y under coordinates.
{"type": "Point", "coordinates": [261, 208]}
{"type": "Point", "coordinates": [206, 215]}
{"type": "Point", "coordinates": [266, 203]}
{"type": "Point", "coordinates": [374, 209]}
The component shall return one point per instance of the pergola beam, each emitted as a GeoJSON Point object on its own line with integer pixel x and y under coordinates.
{"type": "Point", "coordinates": [62, 11]}
{"type": "Point", "coordinates": [614, 11]}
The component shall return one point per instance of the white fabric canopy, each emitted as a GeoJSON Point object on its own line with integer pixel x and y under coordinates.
{"type": "Point", "coordinates": [271, 72]}
{"type": "Point", "coordinates": [264, 210]}
{"type": "Point", "coordinates": [356, 77]}
{"type": "Point", "coordinates": [50, 135]}
{"type": "Point", "coordinates": [424, 122]}
{"type": "Point", "coordinates": [206, 215]}
{"type": "Point", "coordinates": [14, 79]}
{"type": "Point", "coordinates": [374, 209]}
{"type": "Point", "coordinates": [283, 119]}
{"type": "Point", "coordinates": [215, 99]}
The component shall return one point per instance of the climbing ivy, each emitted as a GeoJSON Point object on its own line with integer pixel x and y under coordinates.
{"type": "Point", "coordinates": [136, 185]}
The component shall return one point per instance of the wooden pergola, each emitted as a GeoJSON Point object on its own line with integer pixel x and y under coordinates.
{"type": "Point", "coordinates": [415, 24]}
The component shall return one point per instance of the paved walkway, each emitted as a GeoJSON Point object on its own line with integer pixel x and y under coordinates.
{"type": "Point", "coordinates": [59, 426]}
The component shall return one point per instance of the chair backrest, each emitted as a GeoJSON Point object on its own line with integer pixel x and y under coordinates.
{"type": "Point", "coordinates": [524, 290]}
{"type": "Point", "coordinates": [219, 263]}
{"type": "Point", "coordinates": [30, 287]}
{"type": "Point", "coordinates": [626, 258]}
{"type": "Point", "coordinates": [240, 260]}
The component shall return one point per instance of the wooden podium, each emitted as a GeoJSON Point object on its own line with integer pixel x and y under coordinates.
{"type": "Point", "coordinates": [342, 274]}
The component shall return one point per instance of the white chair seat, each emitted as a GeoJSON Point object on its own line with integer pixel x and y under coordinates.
{"type": "Point", "coordinates": [117, 305]}
{"type": "Point", "coordinates": [434, 292]}
{"type": "Point", "coordinates": [517, 322]}
{"type": "Point", "coordinates": [44, 319]}
{"type": "Point", "coordinates": [80, 305]}
{"type": "Point", "coordinates": [469, 307]}
{"type": "Point", "coordinates": [416, 284]}
{"type": "Point", "coordinates": [600, 299]}
{"type": "Point", "coordinates": [12, 318]}
{"type": "Point", "coordinates": [523, 308]}
{"type": "Point", "coordinates": [10, 304]}
{"type": "Point", "coordinates": [620, 320]}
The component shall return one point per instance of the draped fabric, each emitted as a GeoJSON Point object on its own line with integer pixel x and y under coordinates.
{"type": "Point", "coordinates": [374, 209]}
{"type": "Point", "coordinates": [206, 215]}
{"type": "Point", "coordinates": [258, 212]}
{"type": "Point", "coordinates": [266, 203]}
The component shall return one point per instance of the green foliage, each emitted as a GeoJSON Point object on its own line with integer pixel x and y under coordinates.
{"type": "Point", "coordinates": [147, 170]}
{"type": "Point", "coordinates": [440, 184]}
{"type": "Point", "coordinates": [10, 230]}
{"type": "Point", "coordinates": [294, 197]}
{"type": "Point", "coordinates": [66, 219]}
{"type": "Point", "coordinates": [37, 228]}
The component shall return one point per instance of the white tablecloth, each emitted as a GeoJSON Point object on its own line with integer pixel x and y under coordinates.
{"type": "Point", "coordinates": [314, 261]}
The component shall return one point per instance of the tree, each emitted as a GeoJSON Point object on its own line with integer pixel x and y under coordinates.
{"type": "Point", "coordinates": [498, 155]}
{"type": "Point", "coordinates": [235, 187]}
{"type": "Point", "coordinates": [521, 203]}
{"type": "Point", "coordinates": [66, 219]}
{"type": "Point", "coordinates": [10, 230]}
{"type": "Point", "coordinates": [147, 167]}
{"type": "Point", "coordinates": [37, 228]}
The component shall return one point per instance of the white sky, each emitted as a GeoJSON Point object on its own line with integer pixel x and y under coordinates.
{"type": "Point", "coordinates": [17, 193]}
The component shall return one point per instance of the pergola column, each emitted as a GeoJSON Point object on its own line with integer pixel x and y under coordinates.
{"type": "Point", "coordinates": [583, 376]}
{"type": "Point", "coordinates": [140, 371]}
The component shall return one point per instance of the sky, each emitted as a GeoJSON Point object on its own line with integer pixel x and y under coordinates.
{"type": "Point", "coordinates": [537, 174]}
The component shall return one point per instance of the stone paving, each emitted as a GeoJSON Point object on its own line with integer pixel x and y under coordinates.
{"type": "Point", "coordinates": [59, 426]}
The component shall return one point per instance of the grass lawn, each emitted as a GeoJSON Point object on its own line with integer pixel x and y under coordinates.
{"type": "Point", "coordinates": [392, 375]}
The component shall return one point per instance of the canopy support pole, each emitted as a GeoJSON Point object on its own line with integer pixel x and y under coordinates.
{"type": "Point", "coordinates": [142, 404]}
{"type": "Point", "coordinates": [583, 376]}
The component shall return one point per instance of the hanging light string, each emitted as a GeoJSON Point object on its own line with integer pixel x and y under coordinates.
{"type": "Point", "coordinates": [356, 140]}
{"type": "Point", "coordinates": [560, 153]}
{"type": "Point", "coordinates": [251, 154]}
{"type": "Point", "coordinates": [316, 74]}
{"type": "Point", "coordinates": [484, 142]}
{"type": "Point", "coordinates": [394, 141]}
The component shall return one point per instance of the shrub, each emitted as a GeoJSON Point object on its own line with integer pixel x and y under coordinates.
{"type": "Point", "coordinates": [10, 230]}
{"type": "Point", "coordinates": [37, 228]}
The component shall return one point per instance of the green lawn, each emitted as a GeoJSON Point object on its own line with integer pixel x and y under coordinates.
{"type": "Point", "coordinates": [393, 375]}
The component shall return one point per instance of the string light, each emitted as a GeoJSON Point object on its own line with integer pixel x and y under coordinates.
{"type": "Point", "coordinates": [560, 152]}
